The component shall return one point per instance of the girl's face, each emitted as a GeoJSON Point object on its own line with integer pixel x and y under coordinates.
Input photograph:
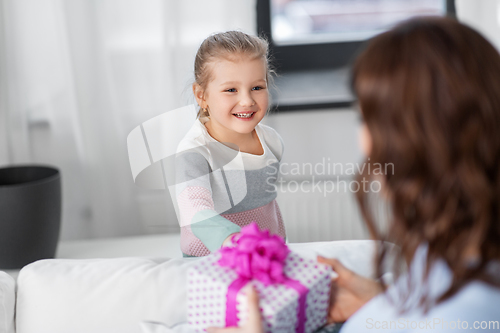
{"type": "Point", "coordinates": [237, 95]}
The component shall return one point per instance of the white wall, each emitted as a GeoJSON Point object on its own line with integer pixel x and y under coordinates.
{"type": "Point", "coordinates": [483, 15]}
{"type": "Point", "coordinates": [311, 135]}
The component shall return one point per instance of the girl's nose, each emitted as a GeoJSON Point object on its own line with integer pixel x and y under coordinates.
{"type": "Point", "coordinates": [246, 100]}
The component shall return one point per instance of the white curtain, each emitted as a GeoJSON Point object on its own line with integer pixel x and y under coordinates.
{"type": "Point", "coordinates": [76, 76]}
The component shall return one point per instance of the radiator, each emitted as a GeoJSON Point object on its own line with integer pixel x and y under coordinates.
{"type": "Point", "coordinates": [310, 215]}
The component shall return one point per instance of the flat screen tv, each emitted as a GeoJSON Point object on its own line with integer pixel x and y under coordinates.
{"type": "Point", "coordinates": [315, 34]}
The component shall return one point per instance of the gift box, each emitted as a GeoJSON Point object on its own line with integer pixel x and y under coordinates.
{"type": "Point", "coordinates": [293, 291]}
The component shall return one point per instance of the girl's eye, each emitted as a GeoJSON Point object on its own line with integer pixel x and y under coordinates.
{"type": "Point", "coordinates": [257, 88]}
{"type": "Point", "coordinates": [231, 90]}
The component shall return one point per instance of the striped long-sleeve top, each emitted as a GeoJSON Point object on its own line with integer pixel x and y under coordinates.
{"type": "Point", "coordinates": [220, 189]}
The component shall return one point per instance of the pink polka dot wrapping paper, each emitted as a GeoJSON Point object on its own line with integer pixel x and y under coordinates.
{"type": "Point", "coordinates": [208, 285]}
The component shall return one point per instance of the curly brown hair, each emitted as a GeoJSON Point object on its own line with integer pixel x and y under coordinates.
{"type": "Point", "coordinates": [429, 94]}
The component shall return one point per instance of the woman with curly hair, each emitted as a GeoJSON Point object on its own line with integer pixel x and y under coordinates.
{"type": "Point", "coordinates": [429, 95]}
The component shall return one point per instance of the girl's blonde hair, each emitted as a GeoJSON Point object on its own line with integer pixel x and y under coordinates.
{"type": "Point", "coordinates": [228, 45]}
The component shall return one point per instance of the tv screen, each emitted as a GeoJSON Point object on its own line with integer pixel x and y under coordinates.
{"type": "Point", "coordinates": [296, 22]}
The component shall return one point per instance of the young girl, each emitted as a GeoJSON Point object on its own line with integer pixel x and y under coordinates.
{"type": "Point", "coordinates": [227, 164]}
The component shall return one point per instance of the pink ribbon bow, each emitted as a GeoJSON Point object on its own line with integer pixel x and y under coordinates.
{"type": "Point", "coordinates": [257, 255]}
{"type": "Point", "coordinates": [260, 256]}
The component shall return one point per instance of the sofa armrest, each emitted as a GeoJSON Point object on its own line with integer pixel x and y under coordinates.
{"type": "Point", "coordinates": [7, 303]}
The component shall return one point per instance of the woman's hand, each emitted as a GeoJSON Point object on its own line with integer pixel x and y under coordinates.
{"type": "Point", "coordinates": [229, 241]}
{"type": "Point", "coordinates": [350, 291]}
{"type": "Point", "coordinates": [254, 323]}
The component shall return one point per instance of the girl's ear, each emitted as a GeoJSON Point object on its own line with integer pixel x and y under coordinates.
{"type": "Point", "coordinates": [198, 94]}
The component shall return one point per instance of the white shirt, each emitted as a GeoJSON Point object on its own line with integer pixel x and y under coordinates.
{"type": "Point", "coordinates": [474, 307]}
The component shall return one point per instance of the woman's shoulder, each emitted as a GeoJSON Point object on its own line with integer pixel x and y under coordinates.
{"type": "Point", "coordinates": [476, 301]}
{"type": "Point", "coordinates": [474, 305]}
{"type": "Point", "coordinates": [272, 139]}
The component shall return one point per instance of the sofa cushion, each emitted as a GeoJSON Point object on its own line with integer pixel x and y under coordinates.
{"type": "Point", "coordinates": [7, 303]}
{"type": "Point", "coordinates": [99, 295]}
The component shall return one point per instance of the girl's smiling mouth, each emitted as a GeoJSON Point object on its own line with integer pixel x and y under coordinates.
{"type": "Point", "coordinates": [244, 115]}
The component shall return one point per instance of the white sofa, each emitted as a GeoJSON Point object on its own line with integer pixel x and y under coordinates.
{"type": "Point", "coordinates": [116, 295]}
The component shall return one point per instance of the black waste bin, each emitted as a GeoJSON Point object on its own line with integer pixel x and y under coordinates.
{"type": "Point", "coordinates": [30, 214]}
